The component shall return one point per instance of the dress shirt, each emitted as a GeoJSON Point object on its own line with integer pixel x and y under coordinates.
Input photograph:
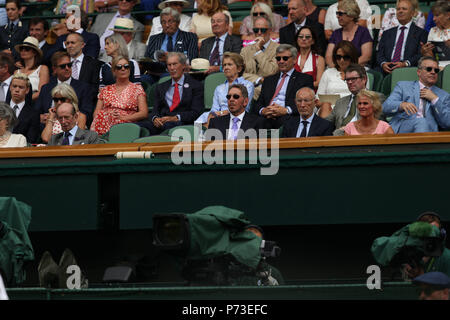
{"type": "Point", "coordinates": [79, 63]}
{"type": "Point", "coordinates": [280, 99]}
{"type": "Point", "coordinates": [166, 41]}
{"type": "Point", "coordinates": [239, 123]}
{"type": "Point", "coordinates": [408, 26]}
{"type": "Point", "coordinates": [264, 46]}
{"type": "Point", "coordinates": [72, 131]}
{"type": "Point", "coordinates": [20, 105]}
{"type": "Point", "coordinates": [42, 43]}
{"type": "Point", "coordinates": [298, 26]}
{"type": "Point", "coordinates": [300, 127]}
{"type": "Point", "coordinates": [220, 101]}
{"type": "Point", "coordinates": [169, 93]}
{"type": "Point", "coordinates": [421, 108]}
{"type": "Point", "coordinates": [221, 44]}
{"type": "Point", "coordinates": [7, 83]}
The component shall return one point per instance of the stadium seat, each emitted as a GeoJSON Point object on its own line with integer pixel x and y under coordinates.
{"type": "Point", "coordinates": [403, 74]}
{"type": "Point", "coordinates": [386, 85]}
{"type": "Point", "coordinates": [126, 133]}
{"type": "Point", "coordinates": [446, 78]}
{"type": "Point", "coordinates": [370, 80]}
{"type": "Point", "coordinates": [211, 82]}
{"type": "Point", "coordinates": [154, 139]}
{"type": "Point", "coordinates": [377, 80]}
{"type": "Point", "coordinates": [193, 130]}
{"type": "Point", "coordinates": [163, 79]}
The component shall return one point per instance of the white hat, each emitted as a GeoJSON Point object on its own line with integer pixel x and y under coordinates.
{"type": "Point", "coordinates": [123, 25]}
{"type": "Point", "coordinates": [31, 42]}
{"type": "Point", "coordinates": [199, 64]}
{"type": "Point", "coordinates": [164, 4]}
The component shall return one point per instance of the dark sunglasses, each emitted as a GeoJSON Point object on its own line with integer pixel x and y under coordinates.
{"type": "Point", "coordinates": [65, 65]}
{"type": "Point", "coordinates": [255, 14]}
{"type": "Point", "coordinates": [56, 100]}
{"type": "Point", "coordinates": [304, 37]}
{"type": "Point", "coordinates": [120, 66]}
{"type": "Point", "coordinates": [126, 0]}
{"type": "Point", "coordinates": [235, 96]}
{"type": "Point", "coordinates": [284, 58]}
{"type": "Point", "coordinates": [351, 79]}
{"type": "Point", "coordinates": [25, 49]}
{"type": "Point", "coordinates": [256, 30]}
{"type": "Point", "coordinates": [340, 13]}
{"type": "Point", "coordinates": [339, 57]}
{"type": "Point", "coordinates": [429, 69]}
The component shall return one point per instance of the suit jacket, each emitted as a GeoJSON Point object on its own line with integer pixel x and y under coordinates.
{"type": "Point", "coordinates": [319, 127]}
{"type": "Point", "coordinates": [8, 40]}
{"type": "Point", "coordinates": [136, 50]}
{"type": "Point", "coordinates": [185, 42]}
{"type": "Point", "coordinates": [91, 47]}
{"type": "Point", "coordinates": [261, 65]}
{"type": "Point", "coordinates": [232, 44]}
{"type": "Point", "coordinates": [28, 123]}
{"type": "Point", "coordinates": [412, 53]}
{"type": "Point", "coordinates": [47, 51]}
{"type": "Point", "coordinates": [81, 137]}
{"type": "Point", "coordinates": [296, 81]}
{"type": "Point", "coordinates": [250, 121]}
{"type": "Point", "coordinates": [90, 70]}
{"type": "Point", "coordinates": [437, 115]}
{"type": "Point", "coordinates": [288, 33]}
{"type": "Point", "coordinates": [191, 104]}
{"type": "Point", "coordinates": [102, 21]}
{"type": "Point", "coordinates": [83, 91]}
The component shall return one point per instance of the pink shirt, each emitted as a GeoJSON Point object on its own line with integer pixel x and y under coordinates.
{"type": "Point", "coordinates": [380, 129]}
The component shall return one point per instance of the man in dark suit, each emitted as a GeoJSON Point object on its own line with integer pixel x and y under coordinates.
{"type": "Point", "coordinates": [172, 39]}
{"type": "Point", "coordinates": [62, 68]}
{"type": "Point", "coordinates": [178, 101]}
{"type": "Point", "coordinates": [91, 40]}
{"type": "Point", "coordinates": [28, 118]}
{"type": "Point", "coordinates": [277, 99]}
{"type": "Point", "coordinates": [212, 48]}
{"type": "Point", "coordinates": [297, 14]}
{"type": "Point", "coordinates": [307, 124]}
{"type": "Point", "coordinates": [72, 134]}
{"type": "Point", "coordinates": [236, 124]}
{"type": "Point", "coordinates": [39, 29]}
{"type": "Point", "coordinates": [399, 47]}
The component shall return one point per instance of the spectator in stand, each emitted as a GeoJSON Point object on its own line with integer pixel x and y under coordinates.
{"type": "Point", "coordinates": [348, 14]}
{"type": "Point", "coordinates": [14, 32]}
{"type": "Point", "coordinates": [314, 13]}
{"type": "Point", "coordinates": [185, 20]}
{"type": "Point", "coordinates": [8, 120]}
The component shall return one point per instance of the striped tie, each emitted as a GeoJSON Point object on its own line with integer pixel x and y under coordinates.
{"type": "Point", "coordinates": [398, 47]}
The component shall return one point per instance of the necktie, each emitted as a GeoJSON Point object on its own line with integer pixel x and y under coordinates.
{"type": "Point", "coordinates": [277, 90]}
{"type": "Point", "coordinates": [65, 141]}
{"type": "Point", "coordinates": [214, 59]}
{"type": "Point", "coordinates": [170, 44]}
{"type": "Point", "coordinates": [2, 93]}
{"type": "Point", "coordinates": [176, 98]}
{"type": "Point", "coordinates": [234, 128]}
{"type": "Point", "coordinates": [75, 69]}
{"type": "Point", "coordinates": [422, 109]}
{"type": "Point", "coordinates": [398, 47]}
{"type": "Point", "coordinates": [15, 108]}
{"type": "Point", "coordinates": [11, 26]}
{"type": "Point", "coordinates": [351, 113]}
{"type": "Point", "coordinates": [305, 127]}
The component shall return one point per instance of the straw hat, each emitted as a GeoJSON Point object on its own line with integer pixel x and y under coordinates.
{"type": "Point", "coordinates": [165, 4]}
{"type": "Point", "coordinates": [123, 25]}
{"type": "Point", "coordinates": [199, 64]}
{"type": "Point", "coordinates": [30, 42]}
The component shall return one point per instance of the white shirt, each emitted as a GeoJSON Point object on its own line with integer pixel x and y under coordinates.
{"type": "Point", "coordinates": [332, 23]}
{"type": "Point", "coordinates": [308, 125]}
{"type": "Point", "coordinates": [20, 105]}
{"type": "Point", "coordinates": [79, 63]}
{"type": "Point", "coordinates": [5, 87]}
{"type": "Point", "coordinates": [238, 124]}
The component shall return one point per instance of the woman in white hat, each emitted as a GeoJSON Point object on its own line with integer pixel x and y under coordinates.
{"type": "Point", "coordinates": [185, 20]}
{"type": "Point", "coordinates": [30, 62]}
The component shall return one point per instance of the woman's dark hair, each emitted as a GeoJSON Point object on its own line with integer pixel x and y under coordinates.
{"type": "Point", "coordinates": [37, 60]}
{"type": "Point", "coordinates": [349, 50]}
{"type": "Point", "coordinates": [314, 47]}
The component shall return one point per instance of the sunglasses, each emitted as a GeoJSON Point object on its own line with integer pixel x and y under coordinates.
{"type": "Point", "coordinates": [304, 37]}
{"type": "Point", "coordinates": [339, 57]}
{"type": "Point", "coordinates": [235, 96]}
{"type": "Point", "coordinates": [126, 0]}
{"type": "Point", "coordinates": [65, 65]}
{"type": "Point", "coordinates": [262, 30]}
{"type": "Point", "coordinates": [429, 69]}
{"type": "Point", "coordinates": [120, 66]}
{"type": "Point", "coordinates": [284, 58]}
{"type": "Point", "coordinates": [255, 14]}
{"type": "Point", "coordinates": [56, 100]}
{"type": "Point", "coordinates": [25, 49]}
{"type": "Point", "coordinates": [340, 13]}
{"type": "Point", "coordinates": [351, 79]}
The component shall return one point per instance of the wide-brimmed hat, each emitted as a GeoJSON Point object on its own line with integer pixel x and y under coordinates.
{"type": "Point", "coordinates": [123, 25]}
{"type": "Point", "coordinates": [199, 64]}
{"type": "Point", "coordinates": [163, 4]}
{"type": "Point", "coordinates": [31, 42]}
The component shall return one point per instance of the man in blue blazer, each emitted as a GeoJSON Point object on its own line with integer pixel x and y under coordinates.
{"type": "Point", "coordinates": [159, 44]}
{"type": "Point", "coordinates": [419, 106]}
{"type": "Point", "coordinates": [399, 47]}
{"type": "Point", "coordinates": [173, 108]}
{"type": "Point", "coordinates": [62, 68]}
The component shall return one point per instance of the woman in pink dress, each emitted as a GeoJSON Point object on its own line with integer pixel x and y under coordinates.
{"type": "Point", "coordinates": [369, 108]}
{"type": "Point", "coordinates": [120, 102]}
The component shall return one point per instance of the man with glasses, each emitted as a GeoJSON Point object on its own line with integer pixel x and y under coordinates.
{"type": "Point", "coordinates": [172, 39]}
{"type": "Point", "coordinates": [72, 134]}
{"type": "Point", "coordinates": [307, 124]}
{"type": "Point", "coordinates": [104, 22]}
{"type": "Point", "coordinates": [399, 47]}
{"type": "Point", "coordinates": [297, 14]}
{"type": "Point", "coordinates": [235, 125]}
{"type": "Point", "coordinates": [419, 106]}
{"type": "Point", "coordinates": [185, 20]}
{"type": "Point", "coordinates": [277, 100]}
{"type": "Point", "coordinates": [259, 57]}
{"type": "Point", "coordinates": [213, 47]}
{"type": "Point", "coordinates": [62, 68]}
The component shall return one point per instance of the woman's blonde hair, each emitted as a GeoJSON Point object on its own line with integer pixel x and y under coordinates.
{"type": "Point", "coordinates": [209, 7]}
{"type": "Point", "coordinates": [237, 59]}
{"type": "Point", "coordinates": [374, 98]}
{"type": "Point", "coordinates": [351, 8]}
{"type": "Point", "coordinates": [66, 91]}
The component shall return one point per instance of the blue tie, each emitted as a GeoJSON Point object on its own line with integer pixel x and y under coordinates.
{"type": "Point", "coordinates": [65, 141]}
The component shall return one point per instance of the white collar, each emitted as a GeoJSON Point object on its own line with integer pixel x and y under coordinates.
{"type": "Point", "coordinates": [241, 116]}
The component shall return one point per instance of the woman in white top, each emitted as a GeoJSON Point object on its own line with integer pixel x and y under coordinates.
{"type": "Point", "coordinates": [30, 64]}
{"type": "Point", "coordinates": [7, 121]}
